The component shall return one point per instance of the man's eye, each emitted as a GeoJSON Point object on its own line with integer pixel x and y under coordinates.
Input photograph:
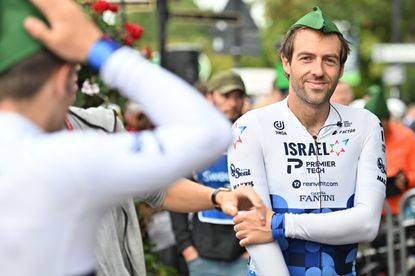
{"type": "Point", "coordinates": [331, 61]}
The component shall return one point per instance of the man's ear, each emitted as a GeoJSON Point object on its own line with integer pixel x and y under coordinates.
{"type": "Point", "coordinates": [286, 65]}
{"type": "Point", "coordinates": [62, 79]}
{"type": "Point", "coordinates": [209, 96]}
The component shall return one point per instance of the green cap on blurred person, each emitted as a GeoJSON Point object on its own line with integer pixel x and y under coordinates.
{"type": "Point", "coordinates": [377, 104]}
{"type": "Point", "coordinates": [317, 20]}
{"type": "Point", "coordinates": [15, 43]}
{"type": "Point", "coordinates": [225, 82]}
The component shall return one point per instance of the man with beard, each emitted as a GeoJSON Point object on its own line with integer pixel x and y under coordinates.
{"type": "Point", "coordinates": [319, 166]}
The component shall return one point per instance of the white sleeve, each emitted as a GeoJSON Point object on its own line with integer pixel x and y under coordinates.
{"type": "Point", "coordinates": [361, 222]}
{"type": "Point", "coordinates": [245, 154]}
{"type": "Point", "coordinates": [190, 134]}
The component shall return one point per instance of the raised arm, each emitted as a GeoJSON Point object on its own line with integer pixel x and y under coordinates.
{"type": "Point", "coordinates": [190, 132]}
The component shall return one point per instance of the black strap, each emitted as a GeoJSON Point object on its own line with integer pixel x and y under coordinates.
{"type": "Point", "coordinates": [114, 129]}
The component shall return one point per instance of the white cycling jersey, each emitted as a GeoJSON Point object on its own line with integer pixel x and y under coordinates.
{"type": "Point", "coordinates": [54, 188]}
{"type": "Point", "coordinates": [330, 187]}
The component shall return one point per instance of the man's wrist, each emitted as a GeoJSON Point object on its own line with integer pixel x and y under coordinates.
{"type": "Point", "coordinates": [214, 196]}
{"type": "Point", "coordinates": [100, 51]}
{"type": "Point", "coordinates": [278, 226]}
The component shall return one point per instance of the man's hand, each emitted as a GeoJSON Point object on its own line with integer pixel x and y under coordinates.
{"type": "Point", "coordinates": [401, 181]}
{"type": "Point", "coordinates": [241, 199]}
{"type": "Point", "coordinates": [250, 230]}
{"type": "Point", "coordinates": [190, 253]}
{"type": "Point", "coordinates": [70, 33]}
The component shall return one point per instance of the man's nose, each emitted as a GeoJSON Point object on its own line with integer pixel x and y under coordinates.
{"type": "Point", "coordinates": [317, 68]}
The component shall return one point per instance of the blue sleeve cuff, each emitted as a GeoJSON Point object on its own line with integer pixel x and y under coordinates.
{"type": "Point", "coordinates": [100, 52]}
{"type": "Point", "coordinates": [278, 226]}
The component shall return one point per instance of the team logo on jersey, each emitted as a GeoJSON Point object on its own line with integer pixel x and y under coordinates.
{"type": "Point", "coordinates": [317, 197]}
{"type": "Point", "coordinates": [248, 184]}
{"type": "Point", "coordinates": [338, 146]}
{"type": "Point", "coordinates": [381, 165]}
{"type": "Point", "coordinates": [237, 172]}
{"type": "Point", "coordinates": [381, 179]}
{"type": "Point", "coordinates": [347, 123]}
{"type": "Point", "coordinates": [296, 184]}
{"type": "Point", "coordinates": [279, 126]}
{"type": "Point", "coordinates": [294, 162]}
{"type": "Point", "coordinates": [237, 133]}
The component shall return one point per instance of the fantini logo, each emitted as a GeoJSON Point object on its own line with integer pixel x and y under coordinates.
{"type": "Point", "coordinates": [338, 147]}
{"type": "Point", "coordinates": [237, 133]}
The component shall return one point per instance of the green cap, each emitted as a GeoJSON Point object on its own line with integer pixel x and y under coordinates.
{"type": "Point", "coordinates": [377, 104]}
{"type": "Point", "coordinates": [225, 82]}
{"type": "Point", "coordinates": [15, 43]}
{"type": "Point", "coordinates": [317, 20]}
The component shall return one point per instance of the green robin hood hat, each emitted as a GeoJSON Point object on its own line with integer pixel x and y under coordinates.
{"type": "Point", "coordinates": [225, 82]}
{"type": "Point", "coordinates": [15, 43]}
{"type": "Point", "coordinates": [377, 104]}
{"type": "Point", "coordinates": [317, 20]}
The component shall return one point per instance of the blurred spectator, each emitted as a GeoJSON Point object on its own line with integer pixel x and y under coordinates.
{"type": "Point", "coordinates": [201, 87]}
{"type": "Point", "coordinates": [209, 245]}
{"type": "Point", "coordinates": [135, 119]}
{"type": "Point", "coordinates": [400, 151]}
{"type": "Point", "coordinates": [360, 103]}
{"type": "Point", "coordinates": [397, 109]}
{"type": "Point", "coordinates": [409, 119]}
{"type": "Point", "coordinates": [276, 95]}
{"type": "Point", "coordinates": [343, 94]}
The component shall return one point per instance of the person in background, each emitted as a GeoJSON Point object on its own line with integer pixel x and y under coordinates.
{"type": "Point", "coordinates": [135, 119]}
{"type": "Point", "coordinates": [343, 94]}
{"type": "Point", "coordinates": [51, 212]}
{"type": "Point", "coordinates": [409, 119]}
{"type": "Point", "coordinates": [400, 165]}
{"type": "Point", "coordinates": [275, 95]}
{"type": "Point", "coordinates": [400, 151]}
{"type": "Point", "coordinates": [209, 245]}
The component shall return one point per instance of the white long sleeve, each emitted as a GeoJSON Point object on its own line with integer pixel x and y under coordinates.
{"type": "Point", "coordinates": [56, 187]}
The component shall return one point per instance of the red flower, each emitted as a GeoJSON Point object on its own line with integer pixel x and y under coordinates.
{"type": "Point", "coordinates": [100, 6]}
{"type": "Point", "coordinates": [113, 7]}
{"type": "Point", "coordinates": [134, 30]}
{"type": "Point", "coordinates": [128, 40]}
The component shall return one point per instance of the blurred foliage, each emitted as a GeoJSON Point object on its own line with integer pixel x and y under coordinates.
{"type": "Point", "coordinates": [371, 18]}
{"type": "Point", "coordinates": [154, 267]}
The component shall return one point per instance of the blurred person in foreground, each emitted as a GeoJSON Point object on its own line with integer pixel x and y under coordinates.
{"type": "Point", "coordinates": [209, 245]}
{"type": "Point", "coordinates": [119, 249]}
{"type": "Point", "coordinates": [314, 163]}
{"type": "Point", "coordinates": [50, 213]}
{"type": "Point", "coordinates": [343, 94]}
